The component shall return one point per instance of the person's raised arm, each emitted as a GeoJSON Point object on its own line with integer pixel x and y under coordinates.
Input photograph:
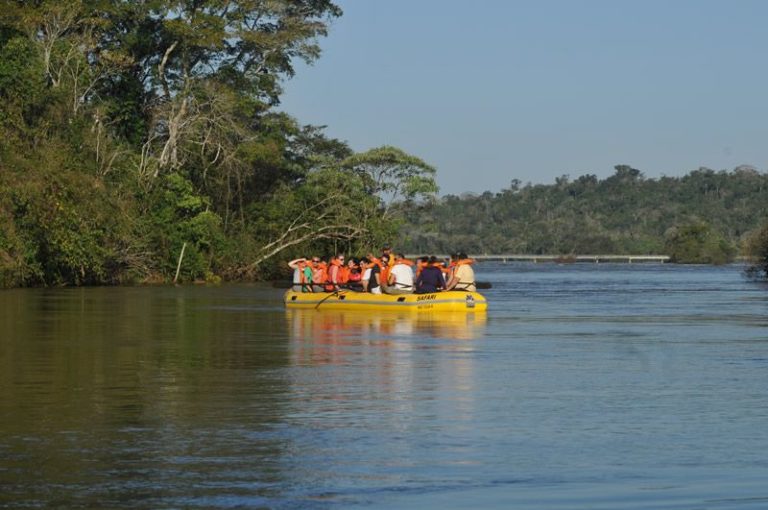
{"type": "Point", "coordinates": [294, 264]}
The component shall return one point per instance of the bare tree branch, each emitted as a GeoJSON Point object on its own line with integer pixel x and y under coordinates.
{"type": "Point", "coordinates": [161, 69]}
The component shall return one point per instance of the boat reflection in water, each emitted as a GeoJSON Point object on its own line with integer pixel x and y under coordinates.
{"type": "Point", "coordinates": [326, 335]}
{"type": "Point", "coordinates": [371, 361]}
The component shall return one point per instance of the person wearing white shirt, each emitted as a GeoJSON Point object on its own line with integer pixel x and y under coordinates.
{"type": "Point", "coordinates": [400, 280]}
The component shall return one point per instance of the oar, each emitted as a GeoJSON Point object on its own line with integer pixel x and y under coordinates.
{"type": "Point", "coordinates": [478, 285]}
{"type": "Point", "coordinates": [335, 293]}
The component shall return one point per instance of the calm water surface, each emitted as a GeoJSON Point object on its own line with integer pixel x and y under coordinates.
{"type": "Point", "coordinates": [584, 386]}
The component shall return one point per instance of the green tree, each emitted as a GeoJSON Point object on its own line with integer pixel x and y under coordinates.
{"type": "Point", "coordinates": [393, 176]}
{"type": "Point", "coordinates": [330, 206]}
{"type": "Point", "coordinates": [22, 86]}
{"type": "Point", "coordinates": [177, 216]}
{"type": "Point", "coordinates": [757, 251]}
{"type": "Point", "coordinates": [697, 244]}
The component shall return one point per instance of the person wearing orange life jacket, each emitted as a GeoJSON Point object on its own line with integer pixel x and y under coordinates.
{"type": "Point", "coordinates": [344, 272]}
{"type": "Point", "coordinates": [319, 275]}
{"type": "Point", "coordinates": [462, 276]}
{"type": "Point", "coordinates": [353, 275]}
{"type": "Point", "coordinates": [371, 279]}
{"type": "Point", "coordinates": [387, 250]}
{"type": "Point", "coordinates": [400, 278]}
{"type": "Point", "coordinates": [335, 273]}
{"type": "Point", "coordinates": [386, 253]}
{"type": "Point", "coordinates": [302, 275]}
{"type": "Point", "coordinates": [385, 263]}
{"type": "Point", "coordinates": [431, 278]}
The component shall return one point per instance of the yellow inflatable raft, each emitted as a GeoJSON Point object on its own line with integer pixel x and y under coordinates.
{"type": "Point", "coordinates": [451, 301]}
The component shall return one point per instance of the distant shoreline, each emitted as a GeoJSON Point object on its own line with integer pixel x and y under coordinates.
{"type": "Point", "coordinates": [567, 259]}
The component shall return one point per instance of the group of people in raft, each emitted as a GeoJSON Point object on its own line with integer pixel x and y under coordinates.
{"type": "Point", "coordinates": [387, 274]}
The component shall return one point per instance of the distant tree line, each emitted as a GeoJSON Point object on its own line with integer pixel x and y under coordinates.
{"type": "Point", "coordinates": [133, 132]}
{"type": "Point", "coordinates": [706, 216]}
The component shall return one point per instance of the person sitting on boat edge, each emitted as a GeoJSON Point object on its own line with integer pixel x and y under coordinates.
{"type": "Point", "coordinates": [384, 266]}
{"type": "Point", "coordinates": [400, 278]}
{"type": "Point", "coordinates": [302, 275]}
{"type": "Point", "coordinates": [335, 273]}
{"type": "Point", "coordinates": [421, 263]}
{"type": "Point", "coordinates": [386, 251]}
{"type": "Point", "coordinates": [449, 266]}
{"type": "Point", "coordinates": [354, 275]}
{"type": "Point", "coordinates": [371, 276]}
{"type": "Point", "coordinates": [319, 275]}
{"type": "Point", "coordinates": [462, 276]}
{"type": "Point", "coordinates": [430, 279]}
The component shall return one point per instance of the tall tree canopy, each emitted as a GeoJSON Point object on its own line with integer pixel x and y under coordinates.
{"type": "Point", "coordinates": [138, 127]}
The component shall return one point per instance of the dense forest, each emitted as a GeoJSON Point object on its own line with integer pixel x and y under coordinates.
{"type": "Point", "coordinates": [705, 216]}
{"type": "Point", "coordinates": [142, 138]}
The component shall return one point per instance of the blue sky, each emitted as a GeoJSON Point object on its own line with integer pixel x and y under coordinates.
{"type": "Point", "coordinates": [494, 90]}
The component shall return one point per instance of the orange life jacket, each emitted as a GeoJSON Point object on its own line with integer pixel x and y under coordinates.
{"type": "Point", "coordinates": [355, 276]}
{"type": "Point", "coordinates": [343, 276]}
{"type": "Point", "coordinates": [462, 262]}
{"type": "Point", "coordinates": [319, 274]}
{"type": "Point", "coordinates": [384, 274]}
{"type": "Point", "coordinates": [334, 271]}
{"type": "Point", "coordinates": [332, 277]}
{"type": "Point", "coordinates": [455, 263]}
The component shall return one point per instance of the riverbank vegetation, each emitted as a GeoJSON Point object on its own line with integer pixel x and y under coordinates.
{"type": "Point", "coordinates": [705, 216]}
{"type": "Point", "coordinates": [757, 253]}
{"type": "Point", "coordinates": [132, 130]}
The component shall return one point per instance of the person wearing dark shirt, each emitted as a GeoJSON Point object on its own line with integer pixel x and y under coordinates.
{"type": "Point", "coordinates": [430, 278]}
{"type": "Point", "coordinates": [371, 280]}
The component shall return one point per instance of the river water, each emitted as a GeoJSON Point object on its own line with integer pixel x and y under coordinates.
{"type": "Point", "coordinates": [584, 386]}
